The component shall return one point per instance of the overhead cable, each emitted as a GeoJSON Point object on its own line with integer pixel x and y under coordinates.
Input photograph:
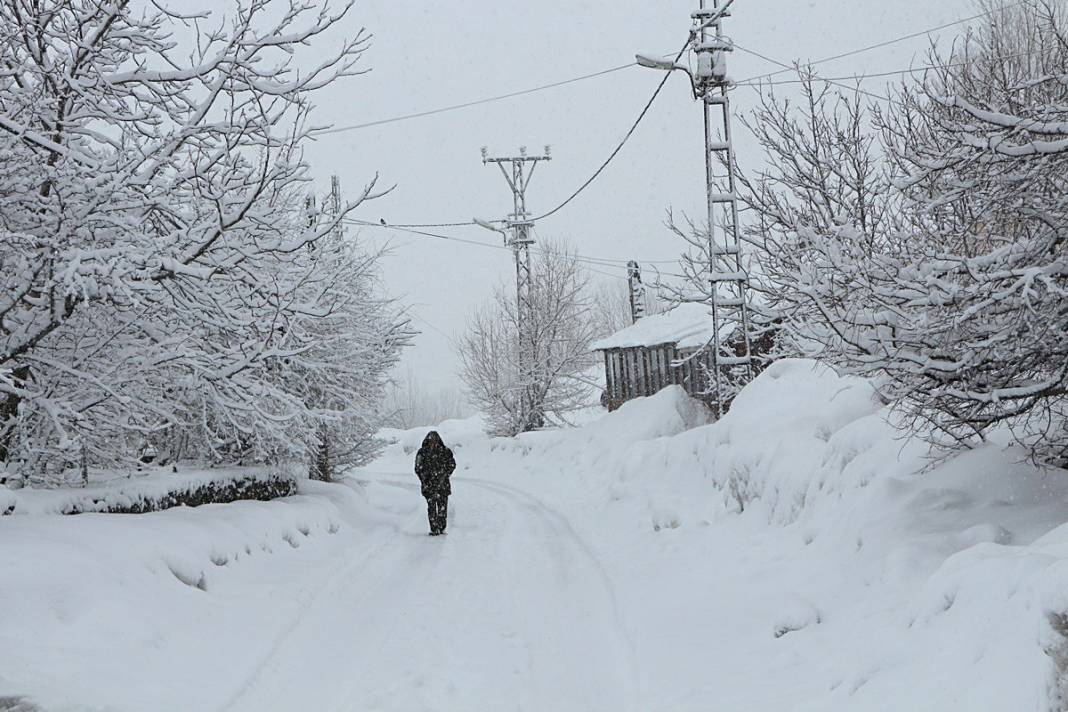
{"type": "Point", "coordinates": [873, 75]}
{"type": "Point", "coordinates": [578, 258]}
{"type": "Point", "coordinates": [619, 147]}
{"type": "Point", "coordinates": [815, 76]}
{"type": "Point", "coordinates": [887, 43]}
{"type": "Point", "coordinates": [467, 104]}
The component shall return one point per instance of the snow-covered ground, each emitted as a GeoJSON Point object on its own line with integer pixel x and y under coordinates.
{"type": "Point", "coordinates": [795, 556]}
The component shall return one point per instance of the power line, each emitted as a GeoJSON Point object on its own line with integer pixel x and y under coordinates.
{"type": "Point", "coordinates": [788, 67]}
{"type": "Point", "coordinates": [592, 75]}
{"type": "Point", "coordinates": [413, 228]}
{"type": "Point", "coordinates": [467, 104]}
{"type": "Point", "coordinates": [606, 274]}
{"type": "Point", "coordinates": [478, 243]}
{"type": "Point", "coordinates": [438, 224]}
{"type": "Point", "coordinates": [885, 43]}
{"type": "Point", "coordinates": [744, 82]}
{"type": "Point", "coordinates": [434, 328]}
{"type": "Point", "coordinates": [619, 147]}
{"type": "Point", "coordinates": [874, 75]}
{"type": "Point", "coordinates": [410, 229]}
{"type": "Point", "coordinates": [616, 263]}
{"type": "Point", "coordinates": [413, 231]}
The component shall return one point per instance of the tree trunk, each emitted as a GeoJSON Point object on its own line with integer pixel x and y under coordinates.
{"type": "Point", "coordinates": [9, 410]}
{"type": "Point", "coordinates": [322, 468]}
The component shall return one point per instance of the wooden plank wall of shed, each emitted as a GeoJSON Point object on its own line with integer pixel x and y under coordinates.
{"type": "Point", "coordinates": [642, 371]}
{"type": "Point", "coordinates": [609, 378]}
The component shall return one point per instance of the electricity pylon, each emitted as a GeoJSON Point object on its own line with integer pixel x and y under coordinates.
{"type": "Point", "coordinates": [519, 225]}
{"type": "Point", "coordinates": [728, 279]}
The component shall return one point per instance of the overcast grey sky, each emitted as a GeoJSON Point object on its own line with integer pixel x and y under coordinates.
{"type": "Point", "coordinates": [426, 55]}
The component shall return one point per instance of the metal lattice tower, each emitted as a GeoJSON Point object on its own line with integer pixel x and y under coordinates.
{"type": "Point", "coordinates": [729, 281]}
{"type": "Point", "coordinates": [334, 205]}
{"type": "Point", "coordinates": [519, 224]}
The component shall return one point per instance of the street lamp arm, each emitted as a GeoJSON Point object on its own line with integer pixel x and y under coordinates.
{"type": "Point", "coordinates": [666, 65]}
{"type": "Point", "coordinates": [651, 62]}
{"type": "Point", "coordinates": [487, 224]}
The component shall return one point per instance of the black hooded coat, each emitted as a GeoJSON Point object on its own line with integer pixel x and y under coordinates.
{"type": "Point", "coordinates": [433, 464]}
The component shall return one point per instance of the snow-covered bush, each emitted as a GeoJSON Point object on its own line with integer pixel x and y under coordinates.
{"type": "Point", "coordinates": [975, 331]}
{"type": "Point", "coordinates": [952, 290]}
{"type": "Point", "coordinates": [162, 281]}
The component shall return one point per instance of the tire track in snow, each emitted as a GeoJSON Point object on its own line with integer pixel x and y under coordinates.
{"type": "Point", "coordinates": [339, 575]}
{"type": "Point", "coordinates": [562, 525]}
{"type": "Point", "coordinates": [371, 610]}
{"type": "Point", "coordinates": [569, 540]}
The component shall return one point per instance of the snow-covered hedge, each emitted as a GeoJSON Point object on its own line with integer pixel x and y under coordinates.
{"type": "Point", "coordinates": [153, 492]}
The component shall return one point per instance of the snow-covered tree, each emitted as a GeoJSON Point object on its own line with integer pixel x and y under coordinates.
{"type": "Point", "coordinates": [610, 305]}
{"type": "Point", "coordinates": [519, 394]}
{"type": "Point", "coordinates": [161, 280]}
{"type": "Point", "coordinates": [956, 298]}
{"type": "Point", "coordinates": [823, 175]}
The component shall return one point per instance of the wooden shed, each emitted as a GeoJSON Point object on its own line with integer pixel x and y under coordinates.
{"type": "Point", "coordinates": [658, 351]}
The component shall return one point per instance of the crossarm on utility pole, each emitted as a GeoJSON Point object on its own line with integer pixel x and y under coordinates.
{"type": "Point", "coordinates": [519, 224]}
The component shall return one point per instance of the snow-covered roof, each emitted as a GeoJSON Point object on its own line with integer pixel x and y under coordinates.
{"type": "Point", "coordinates": [687, 326]}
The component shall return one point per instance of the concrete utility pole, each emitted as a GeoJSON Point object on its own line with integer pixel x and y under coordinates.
{"type": "Point", "coordinates": [637, 291]}
{"type": "Point", "coordinates": [518, 174]}
{"type": "Point", "coordinates": [729, 281]}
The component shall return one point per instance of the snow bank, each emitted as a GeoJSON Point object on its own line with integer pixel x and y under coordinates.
{"type": "Point", "coordinates": [964, 563]}
{"type": "Point", "coordinates": [791, 436]}
{"type": "Point", "coordinates": [7, 501]}
{"type": "Point", "coordinates": [150, 599]}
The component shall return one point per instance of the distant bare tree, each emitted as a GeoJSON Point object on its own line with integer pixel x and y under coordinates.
{"type": "Point", "coordinates": [610, 305]}
{"type": "Point", "coordinates": [518, 397]}
{"type": "Point", "coordinates": [410, 403]}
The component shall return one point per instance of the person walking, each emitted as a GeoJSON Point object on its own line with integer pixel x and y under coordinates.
{"type": "Point", "coordinates": [433, 465]}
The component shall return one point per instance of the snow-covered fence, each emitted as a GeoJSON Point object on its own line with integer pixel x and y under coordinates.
{"type": "Point", "coordinates": [153, 493]}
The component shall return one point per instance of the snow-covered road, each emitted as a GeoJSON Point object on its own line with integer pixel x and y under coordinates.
{"type": "Point", "coordinates": [510, 610]}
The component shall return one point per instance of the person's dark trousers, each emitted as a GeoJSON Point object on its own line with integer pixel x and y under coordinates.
{"type": "Point", "coordinates": [437, 510]}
